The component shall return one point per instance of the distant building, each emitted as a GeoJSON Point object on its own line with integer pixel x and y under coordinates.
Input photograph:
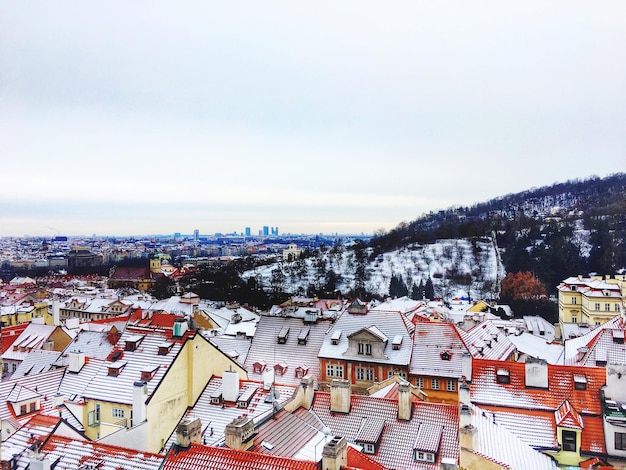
{"type": "Point", "coordinates": [292, 252]}
{"type": "Point", "coordinates": [591, 300]}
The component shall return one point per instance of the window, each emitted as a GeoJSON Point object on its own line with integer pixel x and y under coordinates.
{"type": "Point", "coordinates": [330, 370]}
{"type": "Point", "coordinates": [435, 384]}
{"type": "Point", "coordinates": [574, 300]}
{"type": "Point", "coordinates": [339, 371]}
{"type": "Point", "coordinates": [360, 373]}
{"type": "Point", "coordinates": [419, 382]}
{"type": "Point", "coordinates": [424, 456]}
{"type": "Point", "coordinates": [503, 376]}
{"type": "Point", "coordinates": [620, 441]}
{"type": "Point", "coordinates": [22, 409]}
{"type": "Point", "coordinates": [33, 407]}
{"type": "Point", "coordinates": [451, 386]}
{"type": "Point", "coordinates": [365, 348]}
{"type": "Point", "coordinates": [369, 374]}
{"type": "Point", "coordinates": [574, 319]}
{"type": "Point", "coordinates": [369, 448]}
{"type": "Point", "coordinates": [617, 307]}
{"type": "Point", "coordinates": [597, 306]}
{"type": "Point", "coordinates": [117, 412]}
{"type": "Point", "coordinates": [607, 307]}
{"type": "Point", "coordinates": [569, 440]}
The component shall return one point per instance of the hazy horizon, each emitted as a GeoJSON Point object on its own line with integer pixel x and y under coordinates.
{"type": "Point", "coordinates": [154, 118]}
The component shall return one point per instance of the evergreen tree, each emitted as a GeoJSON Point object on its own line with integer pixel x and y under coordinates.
{"type": "Point", "coordinates": [429, 289]}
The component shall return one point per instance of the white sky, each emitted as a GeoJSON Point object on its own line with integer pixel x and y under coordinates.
{"type": "Point", "coordinates": [143, 117]}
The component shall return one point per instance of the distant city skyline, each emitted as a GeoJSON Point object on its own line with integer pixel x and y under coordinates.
{"type": "Point", "coordinates": [326, 117]}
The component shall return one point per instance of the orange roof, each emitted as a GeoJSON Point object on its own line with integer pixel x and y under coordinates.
{"type": "Point", "coordinates": [359, 460]}
{"type": "Point", "coordinates": [216, 458]}
{"type": "Point", "coordinates": [567, 416]}
{"type": "Point", "coordinates": [487, 391]}
{"type": "Point", "coordinates": [10, 334]}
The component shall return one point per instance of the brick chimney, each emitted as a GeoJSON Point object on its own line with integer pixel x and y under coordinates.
{"type": "Point", "coordinates": [340, 392]}
{"type": "Point", "coordinates": [335, 454]}
{"type": "Point", "coordinates": [405, 403]}
{"type": "Point", "coordinates": [188, 431]}
{"type": "Point", "coordinates": [240, 433]}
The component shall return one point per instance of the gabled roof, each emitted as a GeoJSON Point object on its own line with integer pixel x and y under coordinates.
{"type": "Point", "coordinates": [45, 384]}
{"type": "Point", "coordinates": [389, 324]}
{"type": "Point", "coordinates": [10, 334]}
{"type": "Point", "coordinates": [216, 458]}
{"type": "Point", "coordinates": [566, 416]}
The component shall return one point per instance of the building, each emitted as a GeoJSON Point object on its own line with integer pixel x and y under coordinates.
{"type": "Point", "coordinates": [366, 347]}
{"type": "Point", "coordinates": [591, 300]}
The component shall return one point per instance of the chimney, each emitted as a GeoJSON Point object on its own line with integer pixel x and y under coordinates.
{"type": "Point", "coordinates": [466, 366]}
{"type": "Point", "coordinates": [335, 454]}
{"type": "Point", "coordinates": [465, 405]}
{"type": "Point", "coordinates": [404, 401]}
{"type": "Point", "coordinates": [140, 395]}
{"type": "Point", "coordinates": [77, 361]}
{"type": "Point", "coordinates": [304, 395]}
{"type": "Point", "coordinates": [188, 431]}
{"type": "Point", "coordinates": [340, 396]}
{"type": "Point", "coordinates": [536, 373]}
{"type": "Point", "coordinates": [180, 327]}
{"type": "Point", "coordinates": [56, 315]}
{"type": "Point", "coordinates": [230, 385]}
{"type": "Point", "coordinates": [240, 433]}
{"type": "Point", "coordinates": [38, 462]}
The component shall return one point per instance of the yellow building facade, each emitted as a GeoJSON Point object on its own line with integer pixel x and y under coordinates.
{"type": "Point", "coordinates": [593, 300]}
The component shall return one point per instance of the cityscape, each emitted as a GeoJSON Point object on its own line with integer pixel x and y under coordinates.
{"type": "Point", "coordinates": [312, 236]}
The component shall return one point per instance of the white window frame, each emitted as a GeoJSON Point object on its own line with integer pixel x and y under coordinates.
{"type": "Point", "coordinates": [118, 413]}
{"type": "Point", "coordinates": [330, 370]}
{"type": "Point", "coordinates": [434, 384]}
{"type": "Point", "coordinates": [451, 386]}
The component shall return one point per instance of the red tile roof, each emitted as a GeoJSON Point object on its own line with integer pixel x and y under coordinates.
{"type": "Point", "coordinates": [485, 389]}
{"type": "Point", "coordinates": [359, 460]}
{"type": "Point", "coordinates": [216, 458]}
{"type": "Point", "coordinates": [10, 334]}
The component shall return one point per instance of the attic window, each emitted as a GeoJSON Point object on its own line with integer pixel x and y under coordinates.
{"type": "Point", "coordinates": [164, 348]}
{"type": "Point", "coordinates": [147, 374]}
{"type": "Point", "coordinates": [334, 339]}
{"type": "Point", "coordinates": [304, 335]}
{"type": "Point", "coordinates": [445, 356]}
{"type": "Point", "coordinates": [281, 368]}
{"type": "Point", "coordinates": [580, 382]}
{"type": "Point", "coordinates": [116, 368]}
{"type": "Point", "coordinates": [283, 335]}
{"type": "Point", "coordinates": [503, 377]}
{"type": "Point", "coordinates": [423, 456]}
{"type": "Point", "coordinates": [258, 367]}
{"type": "Point", "coordinates": [618, 336]}
{"type": "Point", "coordinates": [301, 371]}
{"type": "Point", "coordinates": [573, 287]}
{"type": "Point", "coordinates": [132, 342]}
{"type": "Point", "coordinates": [216, 397]}
{"type": "Point", "coordinates": [397, 342]}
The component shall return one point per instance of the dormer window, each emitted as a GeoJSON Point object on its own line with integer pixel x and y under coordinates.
{"type": "Point", "coordinates": [580, 382]}
{"type": "Point", "coordinates": [116, 368]}
{"type": "Point", "coordinates": [397, 342]}
{"type": "Point", "coordinates": [280, 369]}
{"type": "Point", "coordinates": [283, 335]}
{"type": "Point", "coordinates": [334, 339]}
{"type": "Point", "coordinates": [365, 349]}
{"type": "Point", "coordinates": [301, 371]}
{"type": "Point", "coordinates": [147, 374]}
{"type": "Point", "coordinates": [164, 348]}
{"type": "Point", "coordinates": [216, 397]}
{"type": "Point", "coordinates": [304, 335]}
{"type": "Point", "coordinates": [132, 342]}
{"type": "Point", "coordinates": [503, 376]}
{"type": "Point", "coordinates": [446, 355]}
{"type": "Point", "coordinates": [258, 367]}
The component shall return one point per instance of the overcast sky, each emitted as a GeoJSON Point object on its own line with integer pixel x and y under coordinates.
{"type": "Point", "coordinates": [142, 117]}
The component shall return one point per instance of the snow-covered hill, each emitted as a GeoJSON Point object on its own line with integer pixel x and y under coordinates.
{"type": "Point", "coordinates": [458, 267]}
